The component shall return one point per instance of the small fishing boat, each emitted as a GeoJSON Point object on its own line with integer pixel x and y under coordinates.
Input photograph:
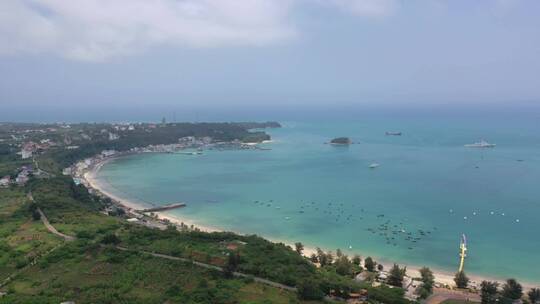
{"type": "Point", "coordinates": [392, 133]}
{"type": "Point", "coordinates": [374, 165]}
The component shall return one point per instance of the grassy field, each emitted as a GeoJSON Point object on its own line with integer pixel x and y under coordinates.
{"type": "Point", "coordinates": [87, 274]}
{"type": "Point", "coordinates": [46, 269]}
{"type": "Point", "coordinates": [22, 240]}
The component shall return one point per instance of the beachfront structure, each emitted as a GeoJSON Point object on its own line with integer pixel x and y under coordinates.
{"type": "Point", "coordinates": [5, 181]}
{"type": "Point", "coordinates": [462, 252]}
{"type": "Point", "coordinates": [107, 153]}
{"type": "Point", "coordinates": [25, 154]}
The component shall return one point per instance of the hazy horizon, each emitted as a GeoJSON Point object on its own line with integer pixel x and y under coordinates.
{"type": "Point", "coordinates": [136, 60]}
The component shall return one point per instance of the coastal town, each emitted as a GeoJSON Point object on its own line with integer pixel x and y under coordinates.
{"type": "Point", "coordinates": [269, 152]}
{"type": "Point", "coordinates": [32, 152]}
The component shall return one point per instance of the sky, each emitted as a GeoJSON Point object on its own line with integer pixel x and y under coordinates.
{"type": "Point", "coordinates": [60, 56]}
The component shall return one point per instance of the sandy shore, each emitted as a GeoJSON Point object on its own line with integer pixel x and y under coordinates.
{"type": "Point", "coordinates": [441, 276]}
{"type": "Point", "coordinates": [93, 182]}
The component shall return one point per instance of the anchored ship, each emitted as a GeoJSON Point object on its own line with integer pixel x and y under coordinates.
{"type": "Point", "coordinates": [481, 144]}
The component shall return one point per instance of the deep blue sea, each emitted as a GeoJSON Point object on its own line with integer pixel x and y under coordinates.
{"type": "Point", "coordinates": [428, 190]}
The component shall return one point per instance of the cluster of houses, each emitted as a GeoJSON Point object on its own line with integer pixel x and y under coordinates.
{"type": "Point", "coordinates": [124, 127]}
{"type": "Point", "coordinates": [28, 149]}
{"type": "Point", "coordinates": [21, 179]}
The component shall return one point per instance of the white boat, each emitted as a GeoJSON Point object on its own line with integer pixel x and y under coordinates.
{"type": "Point", "coordinates": [373, 166]}
{"type": "Point", "coordinates": [481, 144]}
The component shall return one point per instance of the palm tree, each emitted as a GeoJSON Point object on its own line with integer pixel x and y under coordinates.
{"type": "Point", "coordinates": [299, 247]}
{"type": "Point", "coordinates": [512, 290]}
{"type": "Point", "coordinates": [427, 278]}
{"type": "Point", "coordinates": [461, 280]}
{"type": "Point", "coordinates": [396, 276]}
{"type": "Point", "coordinates": [534, 295]}
{"type": "Point", "coordinates": [489, 292]}
{"type": "Point", "coordinates": [369, 264]}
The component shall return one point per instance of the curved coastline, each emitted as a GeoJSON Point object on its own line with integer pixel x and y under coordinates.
{"type": "Point", "coordinates": [90, 178]}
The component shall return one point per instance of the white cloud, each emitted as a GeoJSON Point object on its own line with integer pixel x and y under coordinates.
{"type": "Point", "coordinates": [96, 30]}
{"type": "Point", "coordinates": [367, 8]}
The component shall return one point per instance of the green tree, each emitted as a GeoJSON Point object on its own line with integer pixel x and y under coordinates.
{"type": "Point", "coordinates": [299, 247]}
{"type": "Point", "coordinates": [233, 260]}
{"type": "Point", "coordinates": [369, 264]}
{"type": "Point", "coordinates": [329, 257]}
{"type": "Point", "coordinates": [462, 281]}
{"type": "Point", "coordinates": [344, 266]}
{"type": "Point", "coordinates": [489, 292]}
{"type": "Point", "coordinates": [356, 260]}
{"type": "Point", "coordinates": [36, 216]}
{"type": "Point", "coordinates": [396, 275]}
{"type": "Point", "coordinates": [111, 239]}
{"type": "Point", "coordinates": [309, 289]}
{"type": "Point", "coordinates": [422, 293]}
{"type": "Point", "coordinates": [534, 295]}
{"type": "Point", "coordinates": [321, 257]}
{"type": "Point", "coordinates": [427, 279]}
{"type": "Point", "coordinates": [35, 213]}
{"type": "Point", "coordinates": [512, 290]}
{"type": "Point", "coordinates": [313, 258]}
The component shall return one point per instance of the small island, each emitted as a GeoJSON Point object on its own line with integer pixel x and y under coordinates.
{"type": "Point", "coordinates": [341, 141]}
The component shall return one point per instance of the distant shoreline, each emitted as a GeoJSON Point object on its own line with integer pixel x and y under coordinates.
{"type": "Point", "coordinates": [442, 277]}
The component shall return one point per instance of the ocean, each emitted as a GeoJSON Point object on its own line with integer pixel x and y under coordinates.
{"type": "Point", "coordinates": [428, 190]}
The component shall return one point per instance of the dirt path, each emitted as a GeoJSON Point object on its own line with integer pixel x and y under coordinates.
{"type": "Point", "coordinates": [213, 267]}
{"type": "Point", "coordinates": [52, 229]}
{"type": "Point", "coordinates": [164, 256]}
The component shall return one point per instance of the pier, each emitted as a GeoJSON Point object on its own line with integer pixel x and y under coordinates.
{"type": "Point", "coordinates": [164, 208]}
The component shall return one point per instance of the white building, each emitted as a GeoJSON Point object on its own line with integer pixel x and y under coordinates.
{"type": "Point", "coordinates": [25, 154]}
{"type": "Point", "coordinates": [67, 171]}
{"type": "Point", "coordinates": [4, 181]}
{"type": "Point", "coordinates": [113, 136]}
{"type": "Point", "coordinates": [22, 178]}
{"type": "Point", "coordinates": [107, 153]}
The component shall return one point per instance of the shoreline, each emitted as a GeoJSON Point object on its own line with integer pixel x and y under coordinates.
{"type": "Point", "coordinates": [442, 277]}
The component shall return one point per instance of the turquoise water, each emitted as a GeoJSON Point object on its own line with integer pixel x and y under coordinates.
{"type": "Point", "coordinates": [323, 195]}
